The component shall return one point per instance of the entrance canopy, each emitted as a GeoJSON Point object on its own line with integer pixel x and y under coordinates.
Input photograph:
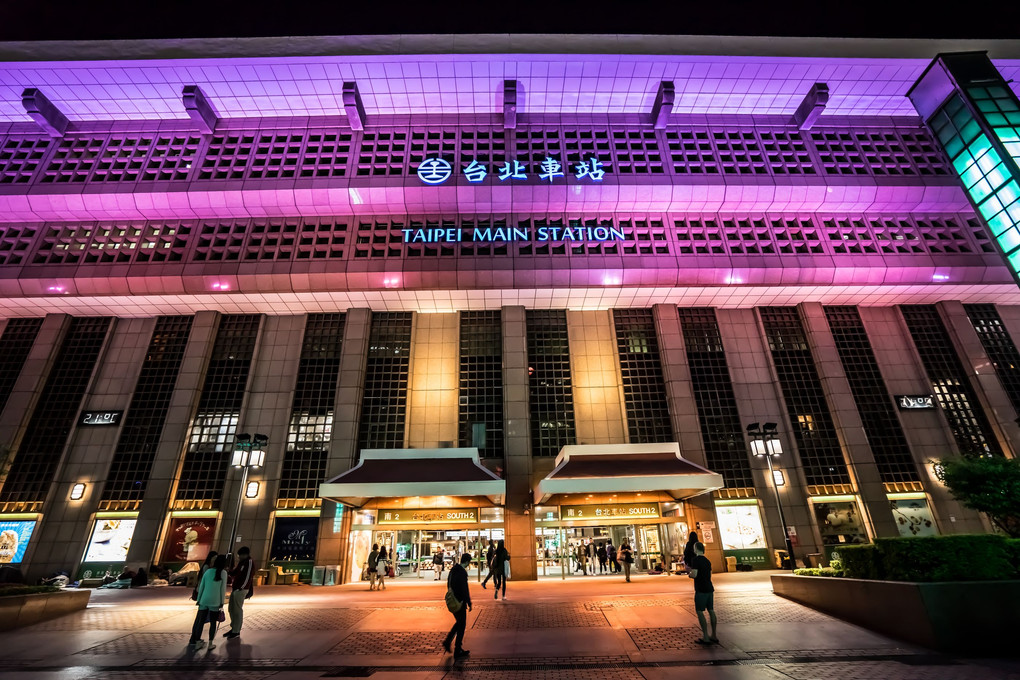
{"type": "Point", "coordinates": [400, 473]}
{"type": "Point", "coordinates": [625, 468]}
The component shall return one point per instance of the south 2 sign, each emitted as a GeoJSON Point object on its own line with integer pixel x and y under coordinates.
{"type": "Point", "coordinates": [435, 170]}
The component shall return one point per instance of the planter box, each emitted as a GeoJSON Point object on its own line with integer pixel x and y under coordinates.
{"type": "Point", "coordinates": [17, 611]}
{"type": "Point", "coordinates": [962, 617]}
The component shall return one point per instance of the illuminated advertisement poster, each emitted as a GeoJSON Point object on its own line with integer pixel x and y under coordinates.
{"type": "Point", "coordinates": [294, 538]}
{"type": "Point", "coordinates": [110, 540]}
{"type": "Point", "coordinates": [913, 517]}
{"type": "Point", "coordinates": [190, 539]}
{"type": "Point", "coordinates": [839, 522]}
{"type": "Point", "coordinates": [14, 538]}
{"type": "Point", "coordinates": [742, 534]}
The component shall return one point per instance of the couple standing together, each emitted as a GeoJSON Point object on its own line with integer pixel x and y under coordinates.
{"type": "Point", "coordinates": [212, 590]}
{"type": "Point", "coordinates": [498, 560]}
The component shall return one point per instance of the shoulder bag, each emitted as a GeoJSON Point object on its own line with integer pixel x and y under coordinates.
{"type": "Point", "coordinates": [452, 603]}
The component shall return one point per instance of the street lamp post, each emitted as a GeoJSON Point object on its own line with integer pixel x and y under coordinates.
{"type": "Point", "coordinates": [765, 444]}
{"type": "Point", "coordinates": [247, 454]}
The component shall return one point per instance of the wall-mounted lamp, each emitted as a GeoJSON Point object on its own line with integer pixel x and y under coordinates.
{"type": "Point", "coordinates": [77, 491]}
{"type": "Point", "coordinates": [777, 477]}
{"type": "Point", "coordinates": [252, 490]}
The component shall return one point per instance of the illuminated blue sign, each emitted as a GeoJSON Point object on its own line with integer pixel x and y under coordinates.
{"type": "Point", "coordinates": [438, 170]}
{"type": "Point", "coordinates": [434, 171]}
{"type": "Point", "coordinates": [506, 234]}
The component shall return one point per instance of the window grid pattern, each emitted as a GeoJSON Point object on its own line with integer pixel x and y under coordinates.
{"type": "Point", "coordinates": [311, 418]}
{"type": "Point", "coordinates": [721, 430]}
{"type": "Point", "coordinates": [874, 404]}
{"type": "Point", "coordinates": [15, 344]}
{"type": "Point", "coordinates": [53, 419]}
{"type": "Point", "coordinates": [130, 158]}
{"type": "Point", "coordinates": [20, 157]}
{"type": "Point", "coordinates": [143, 425]}
{"type": "Point", "coordinates": [112, 243]}
{"type": "Point", "coordinates": [384, 406]}
{"type": "Point", "coordinates": [1000, 348]}
{"type": "Point", "coordinates": [16, 241]}
{"type": "Point", "coordinates": [644, 388]}
{"type": "Point", "coordinates": [810, 418]}
{"type": "Point", "coordinates": [967, 420]}
{"type": "Point", "coordinates": [204, 469]}
{"type": "Point", "coordinates": [550, 388]}
{"type": "Point", "coordinates": [481, 382]}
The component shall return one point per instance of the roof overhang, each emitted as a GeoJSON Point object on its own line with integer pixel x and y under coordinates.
{"type": "Point", "coordinates": [625, 468]}
{"type": "Point", "coordinates": [398, 473]}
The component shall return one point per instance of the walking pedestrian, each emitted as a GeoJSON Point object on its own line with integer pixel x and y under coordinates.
{"type": "Point", "coordinates": [457, 590]}
{"type": "Point", "coordinates": [704, 593]}
{"type": "Point", "coordinates": [381, 565]}
{"type": "Point", "coordinates": [437, 563]}
{"type": "Point", "coordinates": [627, 556]}
{"type": "Point", "coordinates": [689, 554]}
{"type": "Point", "coordinates": [212, 589]}
{"type": "Point", "coordinates": [614, 566]}
{"type": "Point", "coordinates": [489, 553]}
{"type": "Point", "coordinates": [371, 565]}
{"type": "Point", "coordinates": [501, 565]}
{"type": "Point", "coordinates": [603, 557]}
{"type": "Point", "coordinates": [243, 586]}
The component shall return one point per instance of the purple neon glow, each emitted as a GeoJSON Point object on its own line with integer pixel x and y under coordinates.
{"type": "Point", "coordinates": [462, 84]}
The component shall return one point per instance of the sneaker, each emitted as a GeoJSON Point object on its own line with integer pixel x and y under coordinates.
{"type": "Point", "coordinates": [504, 596]}
{"type": "Point", "coordinates": [461, 653]}
{"type": "Point", "coordinates": [446, 646]}
{"type": "Point", "coordinates": [197, 644]}
{"type": "Point", "coordinates": [703, 642]}
{"type": "Point", "coordinates": [230, 635]}
{"type": "Point", "coordinates": [484, 587]}
{"type": "Point", "coordinates": [212, 646]}
{"type": "Point", "coordinates": [495, 596]}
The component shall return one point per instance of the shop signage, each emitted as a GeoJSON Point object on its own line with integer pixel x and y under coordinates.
{"type": "Point", "coordinates": [908, 402]}
{"type": "Point", "coordinates": [14, 538]}
{"type": "Point", "coordinates": [437, 516]}
{"type": "Point", "coordinates": [110, 540]}
{"type": "Point", "coordinates": [507, 234]}
{"type": "Point", "coordinates": [100, 417]}
{"type": "Point", "coordinates": [437, 170]}
{"type": "Point", "coordinates": [189, 540]}
{"type": "Point", "coordinates": [616, 511]}
{"type": "Point", "coordinates": [294, 538]}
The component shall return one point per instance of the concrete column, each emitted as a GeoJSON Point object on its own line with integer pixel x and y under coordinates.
{"type": "Point", "coordinates": [67, 525]}
{"type": "Point", "coordinates": [1010, 315]}
{"type": "Point", "coordinates": [599, 411]}
{"type": "Point", "coordinates": [333, 533]}
{"type": "Point", "coordinates": [267, 410]}
{"type": "Point", "coordinates": [978, 367]}
{"type": "Point", "coordinates": [847, 421]}
{"type": "Point", "coordinates": [519, 524]}
{"type": "Point", "coordinates": [183, 403]}
{"type": "Point", "coordinates": [927, 431]}
{"type": "Point", "coordinates": [756, 391]}
{"type": "Point", "coordinates": [29, 384]}
{"type": "Point", "coordinates": [433, 411]}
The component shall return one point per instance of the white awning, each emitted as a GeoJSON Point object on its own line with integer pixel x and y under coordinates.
{"type": "Point", "coordinates": [398, 473]}
{"type": "Point", "coordinates": [624, 468]}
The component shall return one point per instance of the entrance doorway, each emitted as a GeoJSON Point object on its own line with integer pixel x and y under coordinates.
{"type": "Point", "coordinates": [412, 550]}
{"type": "Point", "coordinates": [563, 551]}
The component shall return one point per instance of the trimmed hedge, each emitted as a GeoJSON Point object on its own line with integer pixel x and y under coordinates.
{"type": "Point", "coordinates": [860, 561]}
{"type": "Point", "coordinates": [818, 571]}
{"type": "Point", "coordinates": [26, 590]}
{"type": "Point", "coordinates": [1013, 555]}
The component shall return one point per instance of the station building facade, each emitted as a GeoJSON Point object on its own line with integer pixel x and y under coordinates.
{"type": "Point", "coordinates": [523, 288]}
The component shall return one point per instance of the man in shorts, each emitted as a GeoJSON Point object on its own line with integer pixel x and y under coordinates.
{"type": "Point", "coordinates": [704, 591]}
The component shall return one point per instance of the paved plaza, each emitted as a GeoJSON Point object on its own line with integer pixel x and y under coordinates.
{"type": "Point", "coordinates": [595, 628]}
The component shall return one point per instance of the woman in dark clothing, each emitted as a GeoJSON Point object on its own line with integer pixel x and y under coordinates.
{"type": "Point", "coordinates": [500, 560]}
{"type": "Point", "coordinates": [689, 553]}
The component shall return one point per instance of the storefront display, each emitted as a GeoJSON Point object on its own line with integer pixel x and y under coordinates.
{"type": "Point", "coordinates": [110, 540]}
{"type": "Point", "coordinates": [741, 532]}
{"type": "Point", "coordinates": [294, 538]}
{"type": "Point", "coordinates": [14, 538]}
{"type": "Point", "coordinates": [913, 517]}
{"type": "Point", "coordinates": [839, 523]}
{"type": "Point", "coordinates": [189, 539]}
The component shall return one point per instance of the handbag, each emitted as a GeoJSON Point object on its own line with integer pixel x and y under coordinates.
{"type": "Point", "coordinates": [217, 616]}
{"type": "Point", "coordinates": [391, 572]}
{"type": "Point", "coordinates": [452, 603]}
{"type": "Point", "coordinates": [506, 569]}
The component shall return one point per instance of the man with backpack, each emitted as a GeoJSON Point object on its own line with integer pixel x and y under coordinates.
{"type": "Point", "coordinates": [458, 601]}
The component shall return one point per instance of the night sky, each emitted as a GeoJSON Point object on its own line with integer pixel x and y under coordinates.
{"type": "Point", "coordinates": [98, 19]}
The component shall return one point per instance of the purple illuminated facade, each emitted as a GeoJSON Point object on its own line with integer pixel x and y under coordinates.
{"type": "Point", "coordinates": [508, 243]}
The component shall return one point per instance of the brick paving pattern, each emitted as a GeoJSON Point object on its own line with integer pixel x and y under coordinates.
{"type": "Point", "coordinates": [665, 638]}
{"type": "Point", "coordinates": [479, 663]}
{"type": "Point", "coordinates": [303, 619]}
{"type": "Point", "coordinates": [390, 644]}
{"type": "Point", "coordinates": [108, 619]}
{"type": "Point", "coordinates": [177, 675]}
{"type": "Point", "coordinates": [730, 611]}
{"type": "Point", "coordinates": [890, 670]}
{"type": "Point", "coordinates": [518, 616]}
{"type": "Point", "coordinates": [638, 602]}
{"type": "Point", "coordinates": [549, 674]}
{"type": "Point", "coordinates": [139, 643]}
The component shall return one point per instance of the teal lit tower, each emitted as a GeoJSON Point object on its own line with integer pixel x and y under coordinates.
{"type": "Point", "coordinates": [975, 116]}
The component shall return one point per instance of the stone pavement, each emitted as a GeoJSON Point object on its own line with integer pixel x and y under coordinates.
{"type": "Point", "coordinates": [594, 628]}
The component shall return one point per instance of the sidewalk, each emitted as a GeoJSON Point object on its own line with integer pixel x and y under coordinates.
{"type": "Point", "coordinates": [594, 628]}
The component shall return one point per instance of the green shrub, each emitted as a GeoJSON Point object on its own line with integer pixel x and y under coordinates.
{"type": "Point", "coordinates": [1013, 555]}
{"type": "Point", "coordinates": [860, 561]}
{"type": "Point", "coordinates": [944, 558]}
{"type": "Point", "coordinates": [816, 571]}
{"type": "Point", "coordinates": [26, 590]}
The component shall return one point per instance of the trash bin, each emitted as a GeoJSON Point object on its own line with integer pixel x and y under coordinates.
{"type": "Point", "coordinates": [782, 559]}
{"type": "Point", "coordinates": [731, 564]}
{"type": "Point", "coordinates": [332, 576]}
{"type": "Point", "coordinates": [318, 576]}
{"type": "Point", "coordinates": [814, 560]}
